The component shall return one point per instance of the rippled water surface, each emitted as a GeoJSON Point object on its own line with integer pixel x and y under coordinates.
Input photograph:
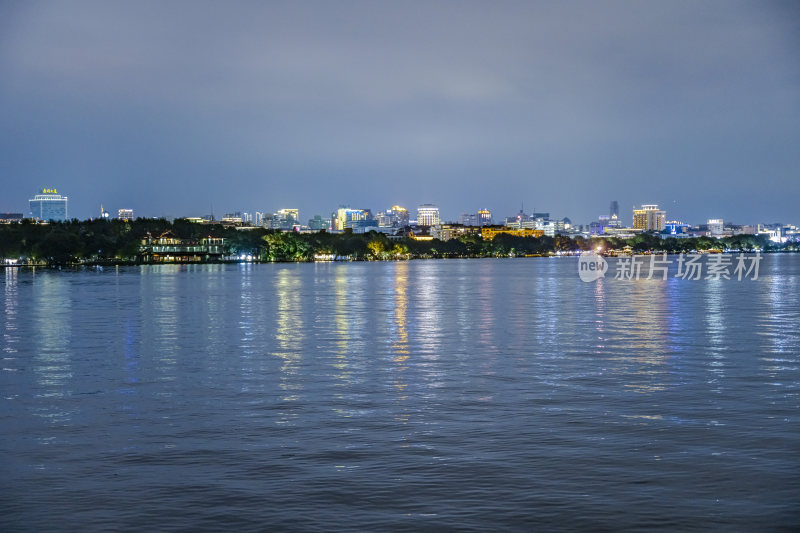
{"type": "Point", "coordinates": [476, 394]}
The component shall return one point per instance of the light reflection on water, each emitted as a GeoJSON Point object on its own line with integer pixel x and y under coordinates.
{"type": "Point", "coordinates": [427, 394]}
{"type": "Point", "coordinates": [52, 361]}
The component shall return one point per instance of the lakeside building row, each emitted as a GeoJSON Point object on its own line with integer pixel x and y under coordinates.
{"type": "Point", "coordinates": [167, 248]}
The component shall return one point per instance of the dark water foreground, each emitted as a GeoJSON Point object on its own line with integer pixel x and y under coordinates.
{"type": "Point", "coordinates": [477, 395]}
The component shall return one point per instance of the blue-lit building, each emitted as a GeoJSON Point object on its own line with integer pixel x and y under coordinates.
{"type": "Point", "coordinates": [49, 205]}
{"type": "Point", "coordinates": [676, 228]}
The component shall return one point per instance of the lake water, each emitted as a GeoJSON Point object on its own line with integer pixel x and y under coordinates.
{"type": "Point", "coordinates": [497, 394]}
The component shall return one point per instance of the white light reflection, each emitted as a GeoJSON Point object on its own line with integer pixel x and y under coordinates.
{"type": "Point", "coordinates": [10, 317]}
{"type": "Point", "coordinates": [777, 323]}
{"type": "Point", "coordinates": [159, 302]}
{"type": "Point", "coordinates": [52, 365]}
{"type": "Point", "coordinates": [715, 333]}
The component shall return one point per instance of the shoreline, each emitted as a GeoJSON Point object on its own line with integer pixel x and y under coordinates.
{"type": "Point", "coordinates": [76, 266]}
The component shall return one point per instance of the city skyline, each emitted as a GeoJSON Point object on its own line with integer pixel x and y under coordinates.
{"type": "Point", "coordinates": [483, 214]}
{"type": "Point", "coordinates": [171, 110]}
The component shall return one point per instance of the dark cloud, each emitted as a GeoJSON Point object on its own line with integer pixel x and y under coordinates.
{"type": "Point", "coordinates": [168, 107]}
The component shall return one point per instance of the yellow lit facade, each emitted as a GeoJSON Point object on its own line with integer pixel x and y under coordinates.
{"type": "Point", "coordinates": [490, 233]}
{"type": "Point", "coordinates": [649, 218]}
{"type": "Point", "coordinates": [284, 214]}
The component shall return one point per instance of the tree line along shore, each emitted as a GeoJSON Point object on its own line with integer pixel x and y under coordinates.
{"type": "Point", "coordinates": [121, 242]}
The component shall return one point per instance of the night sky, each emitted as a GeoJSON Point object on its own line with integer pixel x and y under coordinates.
{"type": "Point", "coordinates": [172, 107]}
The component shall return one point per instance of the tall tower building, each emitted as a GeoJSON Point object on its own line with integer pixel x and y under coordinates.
{"type": "Point", "coordinates": [614, 209]}
{"type": "Point", "coordinates": [484, 217]}
{"type": "Point", "coordinates": [649, 218]}
{"type": "Point", "coordinates": [427, 215]}
{"type": "Point", "coordinates": [49, 205]}
{"type": "Point", "coordinates": [345, 218]}
{"type": "Point", "coordinates": [716, 226]}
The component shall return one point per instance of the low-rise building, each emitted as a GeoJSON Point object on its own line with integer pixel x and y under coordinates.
{"type": "Point", "coordinates": [490, 232]}
{"type": "Point", "coordinates": [445, 232]}
{"type": "Point", "coordinates": [10, 218]}
{"type": "Point", "coordinates": [169, 249]}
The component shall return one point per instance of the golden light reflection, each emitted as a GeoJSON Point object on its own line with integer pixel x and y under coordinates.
{"type": "Point", "coordinates": [400, 344]}
{"type": "Point", "coordinates": [342, 318]}
{"type": "Point", "coordinates": [400, 347]}
{"type": "Point", "coordinates": [646, 326]}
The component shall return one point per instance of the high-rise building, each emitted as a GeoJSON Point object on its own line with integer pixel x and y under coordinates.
{"type": "Point", "coordinates": [468, 219]}
{"type": "Point", "coordinates": [49, 205]}
{"type": "Point", "coordinates": [427, 215]}
{"type": "Point", "coordinates": [318, 223]}
{"type": "Point", "coordinates": [482, 218]}
{"type": "Point", "coordinates": [649, 218]}
{"type": "Point", "coordinates": [288, 218]}
{"type": "Point", "coordinates": [345, 217]}
{"type": "Point", "coordinates": [125, 214]}
{"type": "Point", "coordinates": [399, 216]}
{"type": "Point", "coordinates": [715, 226]}
{"type": "Point", "coordinates": [396, 217]}
{"type": "Point", "coordinates": [614, 209]}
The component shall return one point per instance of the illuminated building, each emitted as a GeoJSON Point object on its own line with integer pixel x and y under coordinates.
{"type": "Point", "coordinates": [427, 215]}
{"type": "Point", "coordinates": [169, 249]}
{"type": "Point", "coordinates": [484, 217]}
{"type": "Point", "coordinates": [490, 232]}
{"type": "Point", "coordinates": [675, 227]}
{"type": "Point", "coordinates": [346, 217]}
{"type": "Point", "coordinates": [445, 232]}
{"type": "Point", "coordinates": [715, 226]}
{"type": "Point", "coordinates": [7, 218]}
{"type": "Point", "coordinates": [396, 217]}
{"type": "Point", "coordinates": [49, 205]}
{"type": "Point", "coordinates": [287, 214]}
{"type": "Point", "coordinates": [125, 214]}
{"type": "Point", "coordinates": [399, 216]}
{"type": "Point", "coordinates": [318, 223]}
{"type": "Point", "coordinates": [649, 218]}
